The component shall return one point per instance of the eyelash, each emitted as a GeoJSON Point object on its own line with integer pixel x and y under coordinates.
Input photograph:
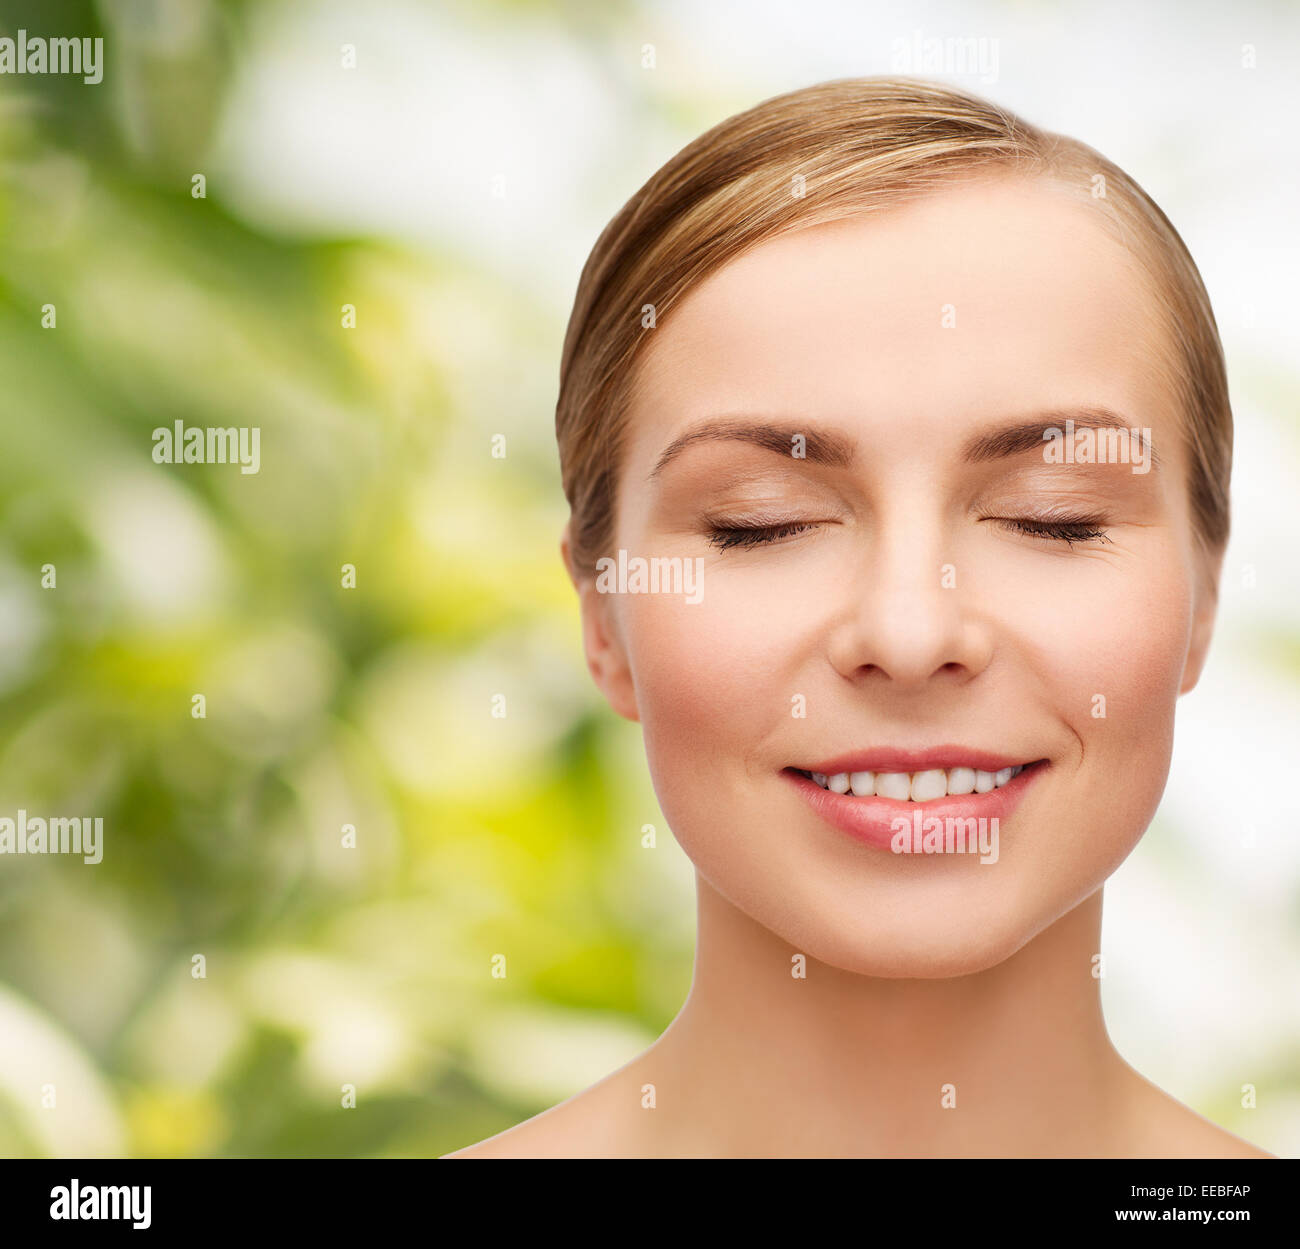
{"type": "Point", "coordinates": [724, 537]}
{"type": "Point", "coordinates": [1083, 529]}
{"type": "Point", "coordinates": [1080, 529]}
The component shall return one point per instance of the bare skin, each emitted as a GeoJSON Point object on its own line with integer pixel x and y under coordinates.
{"type": "Point", "coordinates": [949, 1008]}
{"type": "Point", "coordinates": [746, 1069]}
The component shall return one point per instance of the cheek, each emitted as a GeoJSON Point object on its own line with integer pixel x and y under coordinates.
{"type": "Point", "coordinates": [707, 676]}
{"type": "Point", "coordinates": [1109, 656]}
{"type": "Point", "coordinates": [1113, 654]}
{"type": "Point", "coordinates": [714, 685]}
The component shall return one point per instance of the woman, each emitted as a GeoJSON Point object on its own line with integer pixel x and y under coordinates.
{"type": "Point", "coordinates": [897, 441]}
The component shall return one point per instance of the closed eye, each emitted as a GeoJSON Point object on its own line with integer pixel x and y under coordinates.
{"type": "Point", "coordinates": [1070, 531]}
{"type": "Point", "coordinates": [1083, 529]}
{"type": "Point", "coordinates": [725, 537]}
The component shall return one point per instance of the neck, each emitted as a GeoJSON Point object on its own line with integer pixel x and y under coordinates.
{"type": "Point", "coordinates": [1013, 1060]}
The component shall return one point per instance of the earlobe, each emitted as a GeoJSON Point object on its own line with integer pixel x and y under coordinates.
{"type": "Point", "coordinates": [1202, 625]}
{"type": "Point", "coordinates": [566, 551]}
{"type": "Point", "coordinates": [1196, 653]}
{"type": "Point", "coordinates": [606, 657]}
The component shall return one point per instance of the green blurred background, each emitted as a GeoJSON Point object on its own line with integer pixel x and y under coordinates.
{"type": "Point", "coordinates": [448, 187]}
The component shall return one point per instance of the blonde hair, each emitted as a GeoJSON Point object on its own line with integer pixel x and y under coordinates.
{"type": "Point", "coordinates": [852, 146]}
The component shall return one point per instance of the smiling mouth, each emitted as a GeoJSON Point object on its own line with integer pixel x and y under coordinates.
{"type": "Point", "coordinates": [922, 786]}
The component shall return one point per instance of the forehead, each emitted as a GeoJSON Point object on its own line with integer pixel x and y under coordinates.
{"type": "Point", "coordinates": [980, 300]}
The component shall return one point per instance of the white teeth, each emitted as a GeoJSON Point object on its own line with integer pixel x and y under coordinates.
{"type": "Point", "coordinates": [929, 785]}
{"type": "Point", "coordinates": [894, 785]}
{"type": "Point", "coordinates": [917, 786]}
{"type": "Point", "coordinates": [863, 783]}
{"type": "Point", "coordinates": [961, 780]}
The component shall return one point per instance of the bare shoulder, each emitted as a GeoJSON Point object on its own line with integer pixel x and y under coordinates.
{"type": "Point", "coordinates": [599, 1122]}
{"type": "Point", "coordinates": [1165, 1127]}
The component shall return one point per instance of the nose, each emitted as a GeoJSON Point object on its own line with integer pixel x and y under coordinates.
{"type": "Point", "coordinates": [909, 618]}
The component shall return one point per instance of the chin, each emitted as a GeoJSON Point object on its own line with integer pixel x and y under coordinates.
{"type": "Point", "coordinates": [923, 955]}
{"type": "Point", "coordinates": [958, 929]}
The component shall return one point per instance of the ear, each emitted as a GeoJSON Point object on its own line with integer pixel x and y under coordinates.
{"type": "Point", "coordinates": [1207, 604]}
{"type": "Point", "coordinates": [601, 639]}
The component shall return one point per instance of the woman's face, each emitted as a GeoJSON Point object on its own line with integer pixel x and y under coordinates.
{"type": "Point", "coordinates": [894, 584]}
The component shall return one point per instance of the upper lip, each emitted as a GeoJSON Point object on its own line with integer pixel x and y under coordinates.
{"type": "Point", "coordinates": [890, 759]}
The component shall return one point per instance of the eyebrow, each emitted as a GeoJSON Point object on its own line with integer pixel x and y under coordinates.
{"type": "Point", "coordinates": [819, 447]}
{"type": "Point", "coordinates": [835, 450]}
{"type": "Point", "coordinates": [1029, 434]}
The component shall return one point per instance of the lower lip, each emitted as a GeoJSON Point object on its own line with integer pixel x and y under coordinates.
{"type": "Point", "coordinates": [870, 820]}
